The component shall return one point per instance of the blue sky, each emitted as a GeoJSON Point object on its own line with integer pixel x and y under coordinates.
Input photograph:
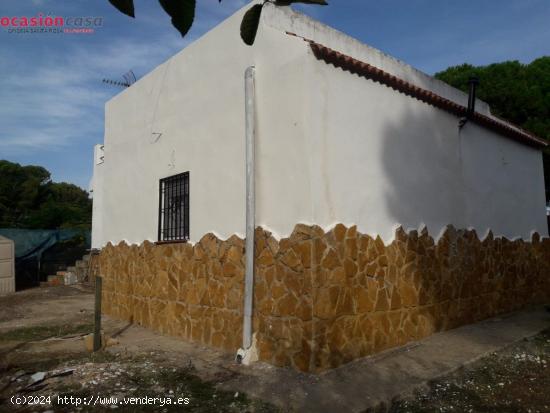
{"type": "Point", "coordinates": [53, 98]}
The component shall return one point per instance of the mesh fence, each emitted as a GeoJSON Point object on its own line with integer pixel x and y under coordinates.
{"type": "Point", "coordinates": [34, 248]}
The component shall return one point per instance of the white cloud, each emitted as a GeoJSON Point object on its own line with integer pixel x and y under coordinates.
{"type": "Point", "coordinates": [63, 101]}
{"type": "Point", "coordinates": [56, 97]}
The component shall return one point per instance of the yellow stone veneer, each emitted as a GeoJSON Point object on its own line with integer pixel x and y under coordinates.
{"type": "Point", "coordinates": [323, 299]}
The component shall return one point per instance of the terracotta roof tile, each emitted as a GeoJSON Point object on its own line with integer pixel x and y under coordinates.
{"type": "Point", "coordinates": [368, 71]}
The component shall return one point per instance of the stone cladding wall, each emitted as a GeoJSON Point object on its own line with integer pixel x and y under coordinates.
{"type": "Point", "coordinates": [323, 299]}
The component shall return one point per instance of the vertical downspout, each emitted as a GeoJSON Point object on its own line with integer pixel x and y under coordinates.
{"type": "Point", "coordinates": [250, 132]}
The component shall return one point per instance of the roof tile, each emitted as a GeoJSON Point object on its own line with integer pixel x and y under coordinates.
{"type": "Point", "coordinates": [368, 71]}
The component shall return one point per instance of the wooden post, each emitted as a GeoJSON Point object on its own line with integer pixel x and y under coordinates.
{"type": "Point", "coordinates": [97, 314]}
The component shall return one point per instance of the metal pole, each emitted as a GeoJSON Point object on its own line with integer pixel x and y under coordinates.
{"type": "Point", "coordinates": [97, 314]}
{"type": "Point", "coordinates": [250, 131]}
{"type": "Point", "coordinates": [473, 82]}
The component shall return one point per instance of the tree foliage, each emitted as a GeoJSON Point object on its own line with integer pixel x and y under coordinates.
{"type": "Point", "coordinates": [517, 92]}
{"type": "Point", "coordinates": [29, 199]}
{"type": "Point", "coordinates": [250, 24]}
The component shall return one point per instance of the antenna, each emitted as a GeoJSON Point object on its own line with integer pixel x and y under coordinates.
{"type": "Point", "coordinates": [129, 79]}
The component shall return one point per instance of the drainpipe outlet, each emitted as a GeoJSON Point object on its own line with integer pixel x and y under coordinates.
{"type": "Point", "coordinates": [249, 355]}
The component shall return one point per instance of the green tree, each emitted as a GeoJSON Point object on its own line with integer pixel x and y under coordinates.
{"type": "Point", "coordinates": [29, 199]}
{"type": "Point", "coordinates": [516, 92]}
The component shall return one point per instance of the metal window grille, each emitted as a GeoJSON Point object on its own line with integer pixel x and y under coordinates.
{"type": "Point", "coordinates": [174, 208]}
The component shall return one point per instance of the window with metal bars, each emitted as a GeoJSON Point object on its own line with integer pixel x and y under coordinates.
{"type": "Point", "coordinates": [174, 208]}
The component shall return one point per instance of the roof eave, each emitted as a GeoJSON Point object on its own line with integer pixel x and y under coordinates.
{"type": "Point", "coordinates": [373, 73]}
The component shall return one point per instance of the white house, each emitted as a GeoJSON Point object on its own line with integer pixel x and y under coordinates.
{"type": "Point", "coordinates": [310, 126]}
{"type": "Point", "coordinates": [343, 134]}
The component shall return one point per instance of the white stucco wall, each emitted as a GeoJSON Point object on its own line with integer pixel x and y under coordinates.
{"type": "Point", "coordinates": [196, 100]}
{"type": "Point", "coordinates": [384, 159]}
{"type": "Point", "coordinates": [380, 159]}
{"type": "Point", "coordinates": [331, 147]}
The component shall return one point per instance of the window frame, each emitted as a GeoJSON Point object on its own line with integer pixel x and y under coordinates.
{"type": "Point", "coordinates": [169, 187]}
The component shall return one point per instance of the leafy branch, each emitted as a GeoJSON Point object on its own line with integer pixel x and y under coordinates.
{"type": "Point", "coordinates": [182, 13]}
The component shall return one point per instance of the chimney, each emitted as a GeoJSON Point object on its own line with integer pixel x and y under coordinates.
{"type": "Point", "coordinates": [473, 82]}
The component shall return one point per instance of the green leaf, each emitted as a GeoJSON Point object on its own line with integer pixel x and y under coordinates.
{"type": "Point", "coordinates": [250, 24]}
{"type": "Point", "coordinates": [125, 6]}
{"type": "Point", "coordinates": [182, 13]}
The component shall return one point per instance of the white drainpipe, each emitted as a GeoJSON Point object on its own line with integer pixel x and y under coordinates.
{"type": "Point", "coordinates": [247, 353]}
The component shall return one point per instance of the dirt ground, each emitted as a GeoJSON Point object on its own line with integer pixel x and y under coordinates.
{"type": "Point", "coordinates": [26, 308]}
{"type": "Point", "coordinates": [516, 379]}
{"type": "Point", "coordinates": [42, 330]}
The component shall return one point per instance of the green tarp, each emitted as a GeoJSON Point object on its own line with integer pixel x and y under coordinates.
{"type": "Point", "coordinates": [33, 242]}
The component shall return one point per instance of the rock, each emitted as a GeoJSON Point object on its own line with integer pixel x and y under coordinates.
{"type": "Point", "coordinates": [37, 377]}
{"type": "Point", "coordinates": [18, 374]}
{"type": "Point", "coordinates": [111, 342]}
{"type": "Point", "coordinates": [62, 373]}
